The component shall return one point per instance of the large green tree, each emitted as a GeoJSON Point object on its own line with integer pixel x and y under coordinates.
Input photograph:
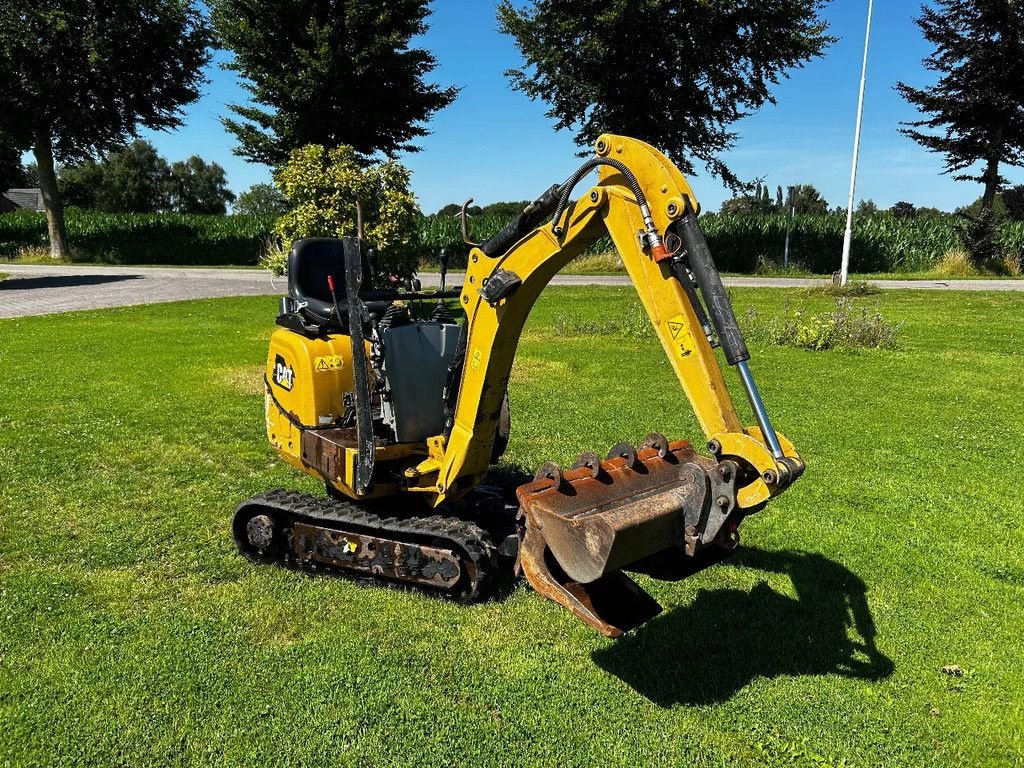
{"type": "Point", "coordinates": [136, 179]}
{"type": "Point", "coordinates": [330, 73]}
{"type": "Point", "coordinates": [976, 109]}
{"type": "Point", "coordinates": [261, 200]}
{"type": "Point", "coordinates": [675, 73]}
{"type": "Point", "coordinates": [130, 180]}
{"type": "Point", "coordinates": [80, 77]}
{"type": "Point", "coordinates": [196, 186]}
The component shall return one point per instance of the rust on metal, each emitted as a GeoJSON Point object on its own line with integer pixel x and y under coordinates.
{"type": "Point", "coordinates": [324, 450]}
{"type": "Point", "coordinates": [606, 515]}
{"type": "Point", "coordinates": [583, 525]}
{"type": "Point", "coordinates": [376, 556]}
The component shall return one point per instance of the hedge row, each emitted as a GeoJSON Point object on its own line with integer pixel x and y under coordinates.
{"type": "Point", "coordinates": [881, 243]}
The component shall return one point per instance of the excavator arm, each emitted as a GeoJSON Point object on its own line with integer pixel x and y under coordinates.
{"type": "Point", "coordinates": [582, 525]}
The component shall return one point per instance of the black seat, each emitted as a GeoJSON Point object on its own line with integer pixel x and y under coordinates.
{"type": "Point", "coordinates": [310, 261]}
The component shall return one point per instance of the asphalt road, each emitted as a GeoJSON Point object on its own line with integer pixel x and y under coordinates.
{"type": "Point", "coordinates": [43, 290]}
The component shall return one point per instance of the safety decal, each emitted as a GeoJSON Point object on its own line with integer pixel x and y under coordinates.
{"type": "Point", "coordinates": [676, 326]}
{"type": "Point", "coordinates": [328, 363]}
{"type": "Point", "coordinates": [284, 375]}
{"type": "Point", "coordinates": [680, 335]}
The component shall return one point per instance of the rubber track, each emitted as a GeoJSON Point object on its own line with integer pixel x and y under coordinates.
{"type": "Point", "coordinates": [465, 539]}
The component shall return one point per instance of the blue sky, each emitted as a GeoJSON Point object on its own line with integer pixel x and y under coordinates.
{"type": "Point", "coordinates": [495, 144]}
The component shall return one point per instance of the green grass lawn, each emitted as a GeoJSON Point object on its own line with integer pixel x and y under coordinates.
{"type": "Point", "coordinates": [131, 633]}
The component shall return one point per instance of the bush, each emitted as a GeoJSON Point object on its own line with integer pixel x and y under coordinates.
{"type": "Point", "coordinates": [325, 189]}
{"type": "Point", "coordinates": [844, 327]}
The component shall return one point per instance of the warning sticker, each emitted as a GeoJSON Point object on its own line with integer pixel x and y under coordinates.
{"type": "Point", "coordinates": [676, 326]}
{"type": "Point", "coordinates": [328, 363]}
{"type": "Point", "coordinates": [680, 335]}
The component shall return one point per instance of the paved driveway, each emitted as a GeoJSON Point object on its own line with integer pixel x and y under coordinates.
{"type": "Point", "coordinates": [43, 290]}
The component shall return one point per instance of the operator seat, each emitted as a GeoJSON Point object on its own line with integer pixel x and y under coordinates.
{"type": "Point", "coordinates": [310, 261]}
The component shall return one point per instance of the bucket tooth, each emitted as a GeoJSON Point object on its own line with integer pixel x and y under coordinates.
{"type": "Point", "coordinates": [591, 461]}
{"type": "Point", "coordinates": [626, 452]}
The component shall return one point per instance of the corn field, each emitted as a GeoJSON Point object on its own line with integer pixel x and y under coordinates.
{"type": "Point", "coordinates": [881, 243]}
{"type": "Point", "coordinates": [133, 238]}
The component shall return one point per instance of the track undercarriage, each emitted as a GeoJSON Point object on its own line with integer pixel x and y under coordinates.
{"type": "Point", "coordinates": [571, 533]}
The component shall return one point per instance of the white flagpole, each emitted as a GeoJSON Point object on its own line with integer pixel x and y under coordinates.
{"type": "Point", "coordinates": [848, 237]}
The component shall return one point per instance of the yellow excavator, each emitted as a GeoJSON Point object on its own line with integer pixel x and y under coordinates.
{"type": "Point", "coordinates": [402, 411]}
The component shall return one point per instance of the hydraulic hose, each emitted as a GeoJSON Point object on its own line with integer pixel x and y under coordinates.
{"type": "Point", "coordinates": [587, 167]}
{"type": "Point", "coordinates": [652, 237]}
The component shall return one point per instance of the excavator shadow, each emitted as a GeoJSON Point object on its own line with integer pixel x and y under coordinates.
{"type": "Point", "coordinates": [709, 650]}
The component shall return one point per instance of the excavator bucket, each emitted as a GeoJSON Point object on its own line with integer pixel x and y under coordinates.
{"type": "Point", "coordinates": [584, 525]}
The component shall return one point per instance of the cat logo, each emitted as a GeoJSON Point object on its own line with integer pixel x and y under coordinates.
{"type": "Point", "coordinates": [284, 376]}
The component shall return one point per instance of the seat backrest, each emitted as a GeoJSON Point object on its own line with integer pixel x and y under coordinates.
{"type": "Point", "coordinates": [310, 261]}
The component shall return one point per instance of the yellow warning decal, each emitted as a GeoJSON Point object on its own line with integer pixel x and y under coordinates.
{"type": "Point", "coordinates": [680, 335]}
{"type": "Point", "coordinates": [329, 363]}
{"type": "Point", "coordinates": [676, 326]}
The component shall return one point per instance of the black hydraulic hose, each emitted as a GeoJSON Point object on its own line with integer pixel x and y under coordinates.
{"type": "Point", "coordinates": [522, 224]}
{"type": "Point", "coordinates": [586, 168]}
{"type": "Point", "coordinates": [711, 288]}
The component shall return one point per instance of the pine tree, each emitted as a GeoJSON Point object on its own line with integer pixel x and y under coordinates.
{"type": "Point", "coordinates": [978, 103]}
{"type": "Point", "coordinates": [675, 73]}
{"type": "Point", "coordinates": [330, 73]}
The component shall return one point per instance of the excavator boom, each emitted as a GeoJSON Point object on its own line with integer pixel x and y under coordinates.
{"type": "Point", "coordinates": [584, 524]}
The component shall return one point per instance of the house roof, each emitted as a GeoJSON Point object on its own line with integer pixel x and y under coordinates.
{"type": "Point", "coordinates": [29, 199]}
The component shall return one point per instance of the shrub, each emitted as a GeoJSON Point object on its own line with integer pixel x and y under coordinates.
{"type": "Point", "coordinates": [325, 189]}
{"type": "Point", "coordinates": [843, 327]}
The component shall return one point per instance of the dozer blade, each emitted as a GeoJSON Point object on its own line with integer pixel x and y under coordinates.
{"type": "Point", "coordinates": [585, 524]}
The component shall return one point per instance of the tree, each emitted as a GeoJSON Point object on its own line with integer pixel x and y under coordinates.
{"type": "Point", "coordinates": [675, 73]}
{"type": "Point", "coordinates": [328, 72]}
{"type": "Point", "coordinates": [12, 174]}
{"type": "Point", "coordinates": [904, 210]}
{"type": "Point", "coordinates": [755, 201]}
{"type": "Point", "coordinates": [261, 200]}
{"type": "Point", "coordinates": [327, 189]}
{"type": "Point", "coordinates": [978, 102]}
{"type": "Point", "coordinates": [867, 208]}
{"type": "Point", "coordinates": [1013, 202]}
{"type": "Point", "coordinates": [196, 186]}
{"type": "Point", "coordinates": [808, 200]}
{"type": "Point", "coordinates": [134, 179]}
{"type": "Point", "coordinates": [79, 77]}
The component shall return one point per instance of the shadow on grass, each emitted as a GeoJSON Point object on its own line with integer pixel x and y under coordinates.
{"type": "Point", "coordinates": [707, 651]}
{"type": "Point", "coordinates": [62, 281]}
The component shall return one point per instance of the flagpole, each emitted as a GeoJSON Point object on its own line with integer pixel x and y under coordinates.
{"type": "Point", "coordinates": [844, 272]}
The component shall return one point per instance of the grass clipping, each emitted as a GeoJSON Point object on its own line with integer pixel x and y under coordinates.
{"type": "Point", "coordinates": [846, 326]}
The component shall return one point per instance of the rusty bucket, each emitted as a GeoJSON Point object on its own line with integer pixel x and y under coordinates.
{"type": "Point", "coordinates": [583, 525]}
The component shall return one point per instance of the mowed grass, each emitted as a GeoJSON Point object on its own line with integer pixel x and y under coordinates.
{"type": "Point", "coordinates": [131, 633]}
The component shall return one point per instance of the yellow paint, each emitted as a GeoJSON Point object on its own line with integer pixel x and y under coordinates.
{"type": "Point", "coordinates": [445, 469]}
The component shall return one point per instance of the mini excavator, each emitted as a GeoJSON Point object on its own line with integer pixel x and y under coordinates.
{"type": "Point", "coordinates": [402, 415]}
